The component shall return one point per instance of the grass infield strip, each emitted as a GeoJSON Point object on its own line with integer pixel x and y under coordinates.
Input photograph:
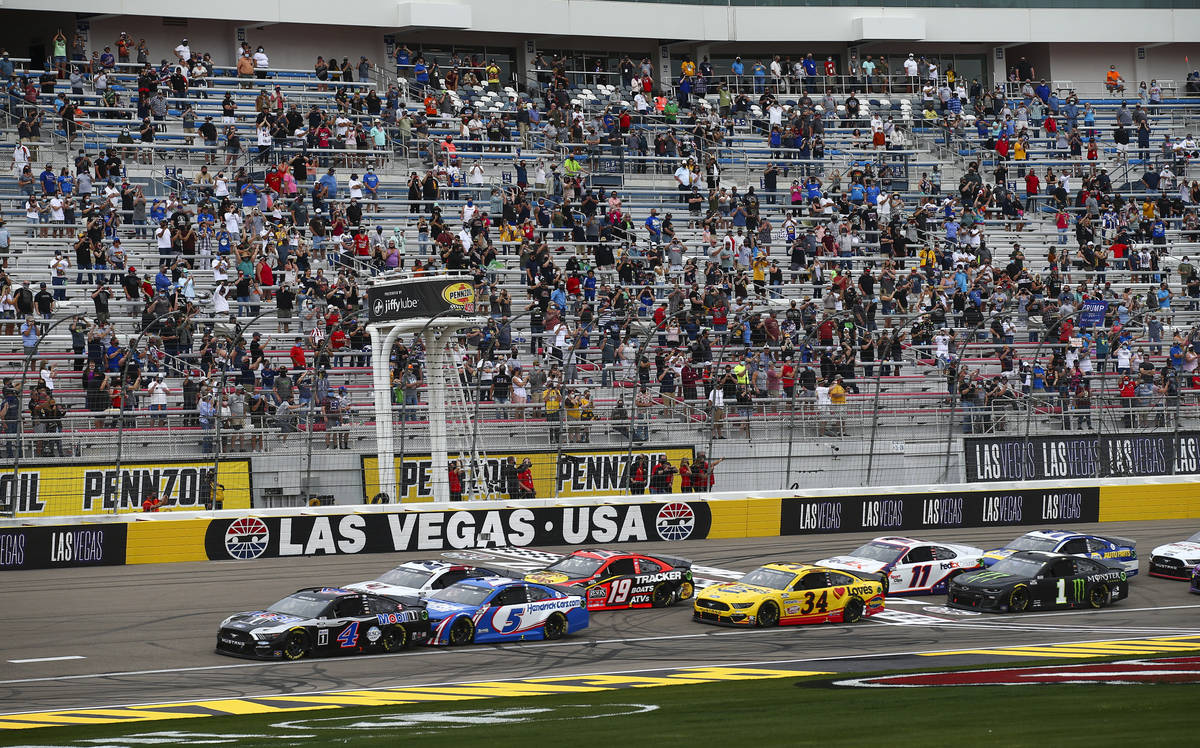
{"type": "Point", "coordinates": [769, 710]}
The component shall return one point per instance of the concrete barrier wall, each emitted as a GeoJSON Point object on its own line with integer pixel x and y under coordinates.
{"type": "Point", "coordinates": [246, 535]}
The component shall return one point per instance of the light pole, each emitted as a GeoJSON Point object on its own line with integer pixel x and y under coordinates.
{"type": "Point", "coordinates": [125, 390]}
{"type": "Point", "coordinates": [808, 338]}
{"type": "Point", "coordinates": [908, 320]}
{"type": "Point", "coordinates": [16, 486]}
{"type": "Point", "coordinates": [956, 394]}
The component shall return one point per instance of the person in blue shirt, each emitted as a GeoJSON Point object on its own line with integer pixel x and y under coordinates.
{"type": "Point", "coordinates": [952, 226]}
{"type": "Point", "coordinates": [66, 183]}
{"type": "Point", "coordinates": [330, 181]}
{"type": "Point", "coordinates": [589, 287]}
{"type": "Point", "coordinates": [1158, 231]}
{"type": "Point", "coordinates": [158, 212]}
{"type": "Point", "coordinates": [872, 193]}
{"type": "Point", "coordinates": [370, 182]}
{"type": "Point", "coordinates": [49, 181]}
{"type": "Point", "coordinates": [1042, 91]}
{"type": "Point", "coordinates": [813, 189]}
{"type": "Point", "coordinates": [738, 70]}
{"type": "Point", "coordinates": [857, 193]}
{"type": "Point", "coordinates": [760, 77]}
{"type": "Point", "coordinates": [162, 281]}
{"type": "Point", "coordinates": [421, 74]}
{"type": "Point", "coordinates": [402, 57]}
{"type": "Point", "coordinates": [654, 226]}
{"type": "Point", "coordinates": [249, 196]}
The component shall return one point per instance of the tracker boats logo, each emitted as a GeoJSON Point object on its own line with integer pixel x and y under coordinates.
{"type": "Point", "coordinates": [675, 521]}
{"type": "Point", "coordinates": [247, 538]}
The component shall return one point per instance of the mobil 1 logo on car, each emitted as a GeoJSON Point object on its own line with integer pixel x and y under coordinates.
{"type": "Point", "coordinates": [247, 538]}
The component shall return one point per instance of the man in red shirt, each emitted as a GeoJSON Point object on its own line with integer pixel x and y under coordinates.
{"type": "Point", "coordinates": [337, 344]}
{"type": "Point", "coordinates": [152, 502]}
{"type": "Point", "coordinates": [297, 354]}
{"type": "Point", "coordinates": [787, 375]}
{"type": "Point", "coordinates": [1032, 185]}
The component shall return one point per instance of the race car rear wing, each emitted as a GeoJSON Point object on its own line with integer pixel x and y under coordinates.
{"type": "Point", "coordinates": [1117, 540]}
{"type": "Point", "coordinates": [675, 561]}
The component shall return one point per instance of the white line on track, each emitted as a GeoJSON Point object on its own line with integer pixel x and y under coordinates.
{"type": "Point", "coordinates": [753, 663]}
{"type": "Point", "coordinates": [48, 659]}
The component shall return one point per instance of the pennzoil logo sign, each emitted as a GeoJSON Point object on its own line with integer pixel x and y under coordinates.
{"type": "Point", "coordinates": [460, 295]}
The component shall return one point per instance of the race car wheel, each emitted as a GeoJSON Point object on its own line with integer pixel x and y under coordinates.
{"type": "Point", "coordinates": [1018, 599]}
{"type": "Point", "coordinates": [685, 591]}
{"type": "Point", "coordinates": [662, 596]}
{"type": "Point", "coordinates": [462, 631]}
{"type": "Point", "coordinates": [394, 639]}
{"type": "Point", "coordinates": [853, 612]}
{"type": "Point", "coordinates": [768, 615]}
{"type": "Point", "coordinates": [886, 580]}
{"type": "Point", "coordinates": [296, 646]}
{"type": "Point", "coordinates": [1099, 596]}
{"type": "Point", "coordinates": [556, 626]}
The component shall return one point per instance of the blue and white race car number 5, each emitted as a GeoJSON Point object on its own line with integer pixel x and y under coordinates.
{"type": "Point", "coordinates": [508, 620]}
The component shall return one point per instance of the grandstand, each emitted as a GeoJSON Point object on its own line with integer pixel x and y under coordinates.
{"type": "Point", "coordinates": [803, 271]}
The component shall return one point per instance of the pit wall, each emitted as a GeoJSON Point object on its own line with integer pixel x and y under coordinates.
{"type": "Point", "coordinates": [246, 535]}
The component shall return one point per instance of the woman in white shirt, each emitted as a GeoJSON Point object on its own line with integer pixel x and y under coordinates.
{"type": "Point", "coordinates": [157, 389]}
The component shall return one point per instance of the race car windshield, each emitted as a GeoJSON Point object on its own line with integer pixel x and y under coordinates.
{"type": "Point", "coordinates": [576, 567]}
{"type": "Point", "coordinates": [464, 594]}
{"type": "Point", "coordinates": [1032, 543]}
{"type": "Point", "coordinates": [405, 578]}
{"type": "Point", "coordinates": [776, 580]}
{"type": "Point", "coordinates": [301, 607]}
{"type": "Point", "coordinates": [1017, 567]}
{"type": "Point", "coordinates": [885, 552]}
{"type": "Point", "coordinates": [1194, 539]}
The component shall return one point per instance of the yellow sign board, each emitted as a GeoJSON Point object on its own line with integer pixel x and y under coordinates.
{"type": "Point", "coordinates": [581, 472]}
{"type": "Point", "coordinates": [42, 490]}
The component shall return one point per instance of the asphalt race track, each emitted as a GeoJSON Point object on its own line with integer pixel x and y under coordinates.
{"type": "Point", "coordinates": [144, 634]}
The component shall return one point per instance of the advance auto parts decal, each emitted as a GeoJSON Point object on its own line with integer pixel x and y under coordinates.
{"type": "Point", "coordinates": [77, 489]}
{"type": "Point", "coordinates": [248, 538]}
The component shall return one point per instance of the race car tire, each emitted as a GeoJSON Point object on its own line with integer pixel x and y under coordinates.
{"type": "Point", "coordinates": [1018, 599]}
{"type": "Point", "coordinates": [555, 626]}
{"type": "Point", "coordinates": [1099, 596]}
{"type": "Point", "coordinates": [853, 612]}
{"type": "Point", "coordinates": [768, 615]}
{"type": "Point", "coordinates": [395, 638]}
{"type": "Point", "coordinates": [662, 596]}
{"type": "Point", "coordinates": [685, 591]}
{"type": "Point", "coordinates": [297, 646]}
{"type": "Point", "coordinates": [885, 580]}
{"type": "Point", "coordinates": [462, 631]}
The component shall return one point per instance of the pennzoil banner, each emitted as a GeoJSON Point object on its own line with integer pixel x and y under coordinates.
{"type": "Point", "coordinates": [71, 490]}
{"type": "Point", "coordinates": [581, 472]}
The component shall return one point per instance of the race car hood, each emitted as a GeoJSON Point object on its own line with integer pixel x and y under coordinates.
{"type": "Point", "coordinates": [853, 563]}
{"type": "Point", "coordinates": [439, 609]}
{"type": "Point", "coordinates": [382, 588]}
{"type": "Point", "coordinates": [258, 619]}
{"type": "Point", "coordinates": [983, 578]}
{"type": "Point", "coordinates": [1183, 549]}
{"type": "Point", "coordinates": [994, 555]}
{"type": "Point", "coordinates": [550, 577]}
{"type": "Point", "coordinates": [736, 592]}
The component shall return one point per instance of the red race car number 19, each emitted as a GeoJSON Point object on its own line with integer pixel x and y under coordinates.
{"type": "Point", "coordinates": [618, 591]}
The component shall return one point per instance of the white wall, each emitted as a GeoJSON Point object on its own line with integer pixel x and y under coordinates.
{"type": "Point", "coordinates": [715, 23]}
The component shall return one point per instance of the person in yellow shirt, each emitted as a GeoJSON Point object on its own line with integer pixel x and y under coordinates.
{"type": "Point", "coordinates": [837, 396]}
{"type": "Point", "coordinates": [1020, 152]}
{"type": "Point", "coordinates": [552, 401]}
{"type": "Point", "coordinates": [760, 265]}
{"type": "Point", "coordinates": [493, 75]}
